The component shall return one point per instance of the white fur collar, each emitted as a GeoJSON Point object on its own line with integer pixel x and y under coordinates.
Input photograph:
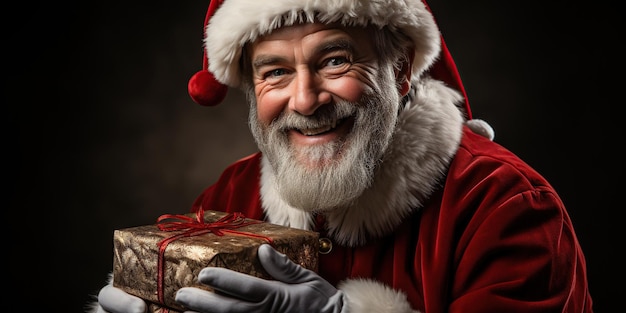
{"type": "Point", "coordinates": [426, 138]}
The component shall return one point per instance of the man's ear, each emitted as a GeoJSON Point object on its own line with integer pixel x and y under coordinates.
{"type": "Point", "coordinates": [403, 76]}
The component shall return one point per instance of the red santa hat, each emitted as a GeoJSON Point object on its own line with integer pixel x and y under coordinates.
{"type": "Point", "coordinates": [230, 24]}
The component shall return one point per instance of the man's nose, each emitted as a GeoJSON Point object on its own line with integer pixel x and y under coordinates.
{"type": "Point", "coordinates": [309, 93]}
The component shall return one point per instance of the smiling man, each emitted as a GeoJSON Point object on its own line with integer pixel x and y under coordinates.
{"type": "Point", "coordinates": [320, 111]}
{"type": "Point", "coordinates": [365, 136]}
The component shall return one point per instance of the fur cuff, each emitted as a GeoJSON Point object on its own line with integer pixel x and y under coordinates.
{"type": "Point", "coordinates": [93, 306]}
{"type": "Point", "coordinates": [364, 295]}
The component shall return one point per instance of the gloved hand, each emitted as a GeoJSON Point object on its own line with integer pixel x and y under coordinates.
{"type": "Point", "coordinates": [295, 289]}
{"type": "Point", "coordinates": [115, 300]}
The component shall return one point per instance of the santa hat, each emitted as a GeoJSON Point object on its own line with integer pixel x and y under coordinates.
{"type": "Point", "coordinates": [230, 24]}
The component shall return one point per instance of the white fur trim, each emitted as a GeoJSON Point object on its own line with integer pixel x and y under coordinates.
{"type": "Point", "coordinates": [237, 22]}
{"type": "Point", "coordinates": [427, 137]}
{"type": "Point", "coordinates": [364, 295]}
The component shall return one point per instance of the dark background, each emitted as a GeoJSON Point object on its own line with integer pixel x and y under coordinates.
{"type": "Point", "coordinates": [100, 133]}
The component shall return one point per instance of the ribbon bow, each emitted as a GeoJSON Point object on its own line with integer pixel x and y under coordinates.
{"type": "Point", "coordinates": [195, 227]}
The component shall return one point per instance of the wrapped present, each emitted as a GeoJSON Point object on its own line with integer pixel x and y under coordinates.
{"type": "Point", "coordinates": [154, 261]}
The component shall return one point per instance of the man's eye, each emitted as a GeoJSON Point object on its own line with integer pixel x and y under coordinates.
{"type": "Point", "coordinates": [336, 61]}
{"type": "Point", "coordinates": [275, 73]}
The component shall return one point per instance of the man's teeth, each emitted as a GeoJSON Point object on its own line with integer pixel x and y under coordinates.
{"type": "Point", "coordinates": [315, 131]}
{"type": "Point", "coordinates": [318, 130]}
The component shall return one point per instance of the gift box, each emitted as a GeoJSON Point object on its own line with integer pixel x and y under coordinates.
{"type": "Point", "coordinates": [154, 261]}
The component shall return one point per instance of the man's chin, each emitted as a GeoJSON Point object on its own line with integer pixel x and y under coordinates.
{"type": "Point", "coordinates": [321, 188]}
{"type": "Point", "coordinates": [314, 166]}
{"type": "Point", "coordinates": [317, 159]}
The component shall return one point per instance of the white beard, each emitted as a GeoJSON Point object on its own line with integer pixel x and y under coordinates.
{"type": "Point", "coordinates": [332, 175]}
{"type": "Point", "coordinates": [426, 136]}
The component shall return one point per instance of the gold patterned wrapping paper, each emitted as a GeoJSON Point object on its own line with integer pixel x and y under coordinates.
{"type": "Point", "coordinates": [136, 256]}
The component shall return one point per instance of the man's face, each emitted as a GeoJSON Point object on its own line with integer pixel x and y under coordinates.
{"type": "Point", "coordinates": [325, 111]}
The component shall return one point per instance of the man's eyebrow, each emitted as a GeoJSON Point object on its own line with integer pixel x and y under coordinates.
{"type": "Point", "coordinates": [326, 47]}
{"type": "Point", "coordinates": [335, 45]}
{"type": "Point", "coordinates": [266, 59]}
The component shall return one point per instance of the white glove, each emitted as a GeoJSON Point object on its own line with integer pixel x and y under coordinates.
{"type": "Point", "coordinates": [295, 289]}
{"type": "Point", "coordinates": [115, 300]}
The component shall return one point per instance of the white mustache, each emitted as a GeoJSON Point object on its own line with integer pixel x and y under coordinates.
{"type": "Point", "coordinates": [322, 121]}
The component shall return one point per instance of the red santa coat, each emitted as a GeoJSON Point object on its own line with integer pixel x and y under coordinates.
{"type": "Point", "coordinates": [494, 238]}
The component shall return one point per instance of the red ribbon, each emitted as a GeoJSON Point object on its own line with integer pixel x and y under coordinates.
{"type": "Point", "coordinates": [196, 227]}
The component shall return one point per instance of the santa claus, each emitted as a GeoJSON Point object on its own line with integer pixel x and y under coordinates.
{"type": "Point", "coordinates": [366, 136]}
